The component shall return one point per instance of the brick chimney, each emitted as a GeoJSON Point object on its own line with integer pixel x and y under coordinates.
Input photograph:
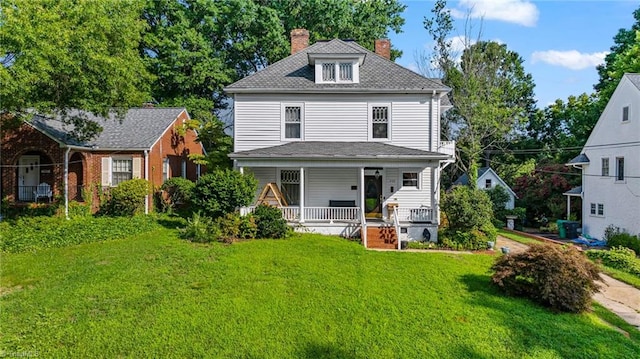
{"type": "Point", "coordinates": [383, 48]}
{"type": "Point", "coordinates": [299, 40]}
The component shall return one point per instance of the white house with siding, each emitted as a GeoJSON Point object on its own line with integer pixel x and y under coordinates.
{"type": "Point", "coordinates": [610, 164]}
{"type": "Point", "coordinates": [350, 138]}
{"type": "Point", "coordinates": [489, 179]}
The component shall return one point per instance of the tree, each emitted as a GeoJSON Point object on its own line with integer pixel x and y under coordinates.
{"type": "Point", "coordinates": [61, 55]}
{"type": "Point", "coordinates": [609, 72]}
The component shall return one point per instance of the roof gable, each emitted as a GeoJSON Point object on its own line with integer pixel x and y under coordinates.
{"type": "Point", "coordinates": [482, 172]}
{"type": "Point", "coordinates": [294, 74]}
{"type": "Point", "coordinates": [139, 129]}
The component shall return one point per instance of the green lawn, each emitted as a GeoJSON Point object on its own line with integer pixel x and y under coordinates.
{"type": "Point", "coordinates": [310, 296]}
{"type": "Point", "coordinates": [517, 237]}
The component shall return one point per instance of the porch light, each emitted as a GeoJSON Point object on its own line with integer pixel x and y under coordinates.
{"type": "Point", "coordinates": [377, 174]}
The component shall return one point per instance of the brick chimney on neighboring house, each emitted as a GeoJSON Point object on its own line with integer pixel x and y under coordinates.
{"type": "Point", "coordinates": [299, 40]}
{"type": "Point", "coordinates": [383, 48]}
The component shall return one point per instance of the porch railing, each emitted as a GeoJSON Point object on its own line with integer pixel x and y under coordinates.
{"type": "Point", "coordinates": [26, 193]}
{"type": "Point", "coordinates": [315, 214]}
{"type": "Point", "coordinates": [419, 215]}
{"type": "Point", "coordinates": [448, 148]}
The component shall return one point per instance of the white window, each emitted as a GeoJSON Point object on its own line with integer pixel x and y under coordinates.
{"type": "Point", "coordinates": [292, 122]}
{"type": "Point", "coordinates": [605, 167]}
{"type": "Point", "coordinates": [600, 209]}
{"type": "Point", "coordinates": [346, 71]}
{"type": "Point", "coordinates": [379, 118]}
{"type": "Point", "coordinates": [625, 114]}
{"type": "Point", "coordinates": [121, 170]}
{"type": "Point", "coordinates": [593, 209]}
{"type": "Point", "coordinates": [290, 186]}
{"type": "Point", "coordinates": [597, 209]}
{"type": "Point", "coordinates": [329, 72]}
{"type": "Point", "coordinates": [184, 168]}
{"type": "Point", "coordinates": [166, 170]}
{"type": "Point", "coordinates": [619, 168]}
{"type": "Point", "coordinates": [487, 183]}
{"type": "Point", "coordinates": [410, 179]}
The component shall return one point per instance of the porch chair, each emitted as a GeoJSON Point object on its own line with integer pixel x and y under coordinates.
{"type": "Point", "coordinates": [43, 190]}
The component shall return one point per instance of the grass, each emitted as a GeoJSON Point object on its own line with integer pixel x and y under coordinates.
{"type": "Point", "coordinates": [311, 296]}
{"type": "Point", "coordinates": [517, 237]}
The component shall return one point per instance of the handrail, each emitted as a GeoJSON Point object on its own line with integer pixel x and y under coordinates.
{"type": "Point", "coordinates": [396, 223]}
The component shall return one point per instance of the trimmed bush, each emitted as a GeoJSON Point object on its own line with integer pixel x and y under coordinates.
{"type": "Point", "coordinates": [127, 198]}
{"type": "Point", "coordinates": [469, 219]}
{"type": "Point", "coordinates": [618, 257]}
{"type": "Point", "coordinates": [222, 191]}
{"type": "Point", "coordinates": [626, 240]}
{"type": "Point", "coordinates": [178, 193]}
{"type": "Point", "coordinates": [559, 277]}
{"type": "Point", "coordinates": [270, 222]}
{"type": "Point", "coordinates": [34, 233]}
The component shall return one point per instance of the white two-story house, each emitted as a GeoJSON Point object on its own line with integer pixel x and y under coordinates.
{"type": "Point", "coordinates": [351, 139]}
{"type": "Point", "coordinates": [610, 162]}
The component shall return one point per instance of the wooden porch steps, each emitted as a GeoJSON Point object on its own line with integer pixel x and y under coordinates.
{"type": "Point", "coordinates": [382, 237]}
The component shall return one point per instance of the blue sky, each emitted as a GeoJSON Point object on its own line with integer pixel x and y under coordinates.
{"type": "Point", "coordinates": [561, 42]}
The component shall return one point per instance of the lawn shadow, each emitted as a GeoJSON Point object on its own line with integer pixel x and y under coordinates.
{"type": "Point", "coordinates": [318, 350]}
{"type": "Point", "coordinates": [171, 222]}
{"type": "Point", "coordinates": [537, 328]}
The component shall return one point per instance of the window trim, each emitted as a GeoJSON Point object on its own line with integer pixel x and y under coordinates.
{"type": "Point", "coordinates": [166, 169]}
{"type": "Point", "coordinates": [602, 167]}
{"type": "Point", "coordinates": [596, 209]}
{"type": "Point", "coordinates": [418, 178]}
{"type": "Point", "coordinates": [112, 168]}
{"type": "Point", "coordinates": [355, 71]}
{"type": "Point", "coordinates": [389, 120]}
{"type": "Point", "coordinates": [617, 173]}
{"type": "Point", "coordinates": [279, 182]}
{"type": "Point", "coordinates": [283, 125]}
{"type": "Point", "coordinates": [626, 110]}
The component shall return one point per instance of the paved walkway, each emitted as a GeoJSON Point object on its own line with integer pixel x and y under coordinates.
{"type": "Point", "coordinates": [618, 297]}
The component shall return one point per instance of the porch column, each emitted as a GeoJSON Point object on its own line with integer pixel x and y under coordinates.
{"type": "Point", "coordinates": [241, 169]}
{"type": "Point", "coordinates": [363, 226]}
{"type": "Point", "coordinates": [568, 207]}
{"type": "Point", "coordinates": [146, 177]}
{"type": "Point", "coordinates": [301, 194]}
{"type": "Point", "coordinates": [66, 183]}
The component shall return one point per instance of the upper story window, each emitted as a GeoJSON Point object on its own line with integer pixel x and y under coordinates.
{"type": "Point", "coordinates": [625, 114]}
{"type": "Point", "coordinates": [346, 71]}
{"type": "Point", "coordinates": [380, 120]}
{"type": "Point", "coordinates": [487, 183]}
{"type": "Point", "coordinates": [605, 167]}
{"type": "Point", "coordinates": [337, 72]}
{"type": "Point", "coordinates": [329, 72]}
{"type": "Point", "coordinates": [292, 122]}
{"type": "Point", "coordinates": [620, 169]}
{"type": "Point", "coordinates": [336, 68]}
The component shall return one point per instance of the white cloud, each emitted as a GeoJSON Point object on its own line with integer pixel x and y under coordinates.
{"type": "Point", "coordinates": [521, 12]}
{"type": "Point", "coordinates": [572, 59]}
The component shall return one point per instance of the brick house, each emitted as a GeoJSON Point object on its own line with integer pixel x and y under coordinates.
{"type": "Point", "coordinates": [147, 143]}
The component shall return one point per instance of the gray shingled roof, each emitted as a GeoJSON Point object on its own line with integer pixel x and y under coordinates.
{"type": "Point", "coordinates": [635, 79]}
{"type": "Point", "coordinates": [338, 150]}
{"type": "Point", "coordinates": [294, 74]}
{"type": "Point", "coordinates": [464, 179]}
{"type": "Point", "coordinates": [580, 159]}
{"type": "Point", "coordinates": [575, 191]}
{"type": "Point", "coordinates": [139, 129]}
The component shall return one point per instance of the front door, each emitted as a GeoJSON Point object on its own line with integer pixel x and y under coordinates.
{"type": "Point", "coordinates": [373, 196]}
{"type": "Point", "coordinates": [28, 177]}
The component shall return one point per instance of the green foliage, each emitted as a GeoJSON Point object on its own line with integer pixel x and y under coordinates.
{"type": "Point", "coordinates": [61, 55]}
{"type": "Point", "coordinates": [467, 208]}
{"type": "Point", "coordinates": [611, 231]}
{"type": "Point", "coordinates": [270, 222]}
{"type": "Point", "coordinates": [199, 229]}
{"type": "Point", "coordinates": [222, 191]}
{"type": "Point", "coordinates": [233, 227]}
{"type": "Point", "coordinates": [541, 191]}
{"type": "Point", "coordinates": [559, 277]}
{"type": "Point", "coordinates": [178, 193]}
{"type": "Point", "coordinates": [77, 209]}
{"type": "Point", "coordinates": [626, 240]}
{"type": "Point", "coordinates": [499, 198]}
{"type": "Point", "coordinates": [127, 198]}
{"type": "Point", "coordinates": [617, 257]}
{"type": "Point", "coordinates": [35, 233]}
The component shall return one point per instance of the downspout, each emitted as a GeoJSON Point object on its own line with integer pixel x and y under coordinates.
{"type": "Point", "coordinates": [66, 183]}
{"type": "Point", "coordinates": [146, 177]}
{"type": "Point", "coordinates": [433, 115]}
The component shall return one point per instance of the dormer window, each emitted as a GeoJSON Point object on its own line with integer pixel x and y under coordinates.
{"type": "Point", "coordinates": [336, 68]}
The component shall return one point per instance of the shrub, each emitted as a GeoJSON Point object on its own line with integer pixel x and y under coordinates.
{"type": "Point", "coordinates": [34, 233]}
{"type": "Point", "coordinates": [222, 191]}
{"type": "Point", "coordinates": [469, 216]}
{"type": "Point", "coordinates": [199, 228]}
{"type": "Point", "coordinates": [559, 277]}
{"type": "Point", "coordinates": [626, 240]}
{"type": "Point", "coordinates": [270, 222]}
{"type": "Point", "coordinates": [127, 198]}
{"type": "Point", "coordinates": [611, 231]}
{"type": "Point", "coordinates": [499, 198]}
{"type": "Point", "coordinates": [618, 257]}
{"type": "Point", "coordinates": [233, 227]}
{"type": "Point", "coordinates": [178, 194]}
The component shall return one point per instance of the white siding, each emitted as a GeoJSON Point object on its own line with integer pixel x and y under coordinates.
{"type": "Point", "coordinates": [324, 184]}
{"type": "Point", "coordinates": [264, 175]}
{"type": "Point", "coordinates": [342, 117]}
{"type": "Point", "coordinates": [612, 138]}
{"type": "Point", "coordinates": [408, 197]}
{"type": "Point", "coordinates": [496, 181]}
